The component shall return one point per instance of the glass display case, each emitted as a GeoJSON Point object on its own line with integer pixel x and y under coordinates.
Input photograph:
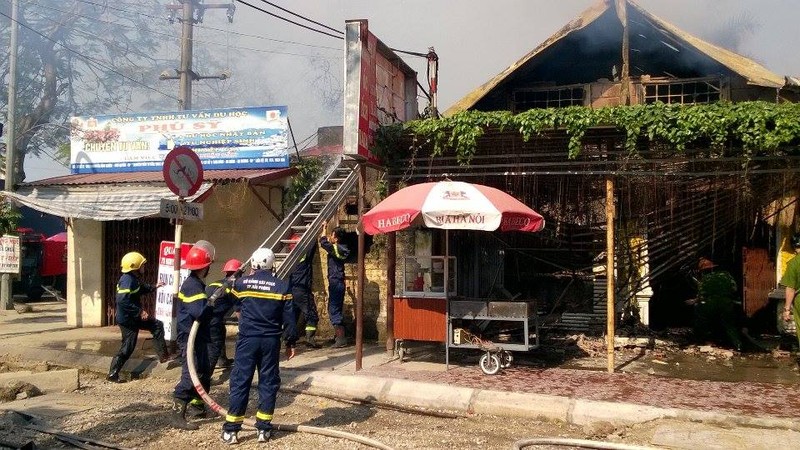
{"type": "Point", "coordinates": [424, 276]}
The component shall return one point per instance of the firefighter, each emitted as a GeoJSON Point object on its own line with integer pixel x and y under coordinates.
{"type": "Point", "coordinates": [302, 297]}
{"type": "Point", "coordinates": [266, 313]}
{"type": "Point", "coordinates": [131, 317]}
{"type": "Point", "coordinates": [193, 306]}
{"type": "Point", "coordinates": [223, 306]}
{"type": "Point", "coordinates": [337, 254]}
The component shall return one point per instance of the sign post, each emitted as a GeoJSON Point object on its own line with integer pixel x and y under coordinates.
{"type": "Point", "coordinates": [183, 174]}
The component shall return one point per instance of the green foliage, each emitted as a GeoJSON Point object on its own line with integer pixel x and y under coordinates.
{"type": "Point", "coordinates": [9, 218]}
{"type": "Point", "coordinates": [309, 170]}
{"type": "Point", "coordinates": [747, 128]}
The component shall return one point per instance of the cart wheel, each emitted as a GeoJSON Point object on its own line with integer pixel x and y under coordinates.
{"type": "Point", "coordinates": [490, 363]}
{"type": "Point", "coordinates": [506, 359]}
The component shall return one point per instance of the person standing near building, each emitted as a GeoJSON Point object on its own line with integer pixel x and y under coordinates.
{"type": "Point", "coordinates": [791, 281]}
{"type": "Point", "coordinates": [193, 307]}
{"type": "Point", "coordinates": [337, 254]}
{"type": "Point", "coordinates": [715, 310]}
{"type": "Point", "coordinates": [266, 312]}
{"type": "Point", "coordinates": [302, 296]}
{"type": "Point", "coordinates": [131, 317]}
{"type": "Point", "coordinates": [223, 305]}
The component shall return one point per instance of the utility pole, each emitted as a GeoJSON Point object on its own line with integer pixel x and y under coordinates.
{"type": "Point", "coordinates": [192, 12]}
{"type": "Point", "coordinates": [6, 294]}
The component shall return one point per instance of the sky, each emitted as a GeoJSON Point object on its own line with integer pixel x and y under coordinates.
{"type": "Point", "coordinates": [475, 40]}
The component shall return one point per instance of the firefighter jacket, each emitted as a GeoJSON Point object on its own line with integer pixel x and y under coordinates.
{"type": "Point", "coordinates": [225, 302]}
{"type": "Point", "coordinates": [303, 274]}
{"type": "Point", "coordinates": [266, 306]}
{"type": "Point", "coordinates": [129, 291]}
{"type": "Point", "coordinates": [193, 306]}
{"type": "Point", "coordinates": [337, 254]}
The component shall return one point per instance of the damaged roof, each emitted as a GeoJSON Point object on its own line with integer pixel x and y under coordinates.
{"type": "Point", "coordinates": [753, 72]}
{"type": "Point", "coordinates": [253, 176]}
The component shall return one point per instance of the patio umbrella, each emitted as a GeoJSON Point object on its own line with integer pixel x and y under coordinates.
{"type": "Point", "coordinates": [451, 205]}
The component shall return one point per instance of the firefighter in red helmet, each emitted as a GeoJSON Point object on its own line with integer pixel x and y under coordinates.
{"type": "Point", "coordinates": [222, 307]}
{"type": "Point", "coordinates": [193, 306]}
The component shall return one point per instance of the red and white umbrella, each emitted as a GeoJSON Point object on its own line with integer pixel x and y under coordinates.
{"type": "Point", "coordinates": [451, 205]}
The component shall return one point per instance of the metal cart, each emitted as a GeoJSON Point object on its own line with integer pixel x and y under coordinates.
{"type": "Point", "coordinates": [497, 355]}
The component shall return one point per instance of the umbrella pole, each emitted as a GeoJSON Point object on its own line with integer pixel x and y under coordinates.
{"type": "Point", "coordinates": [447, 300]}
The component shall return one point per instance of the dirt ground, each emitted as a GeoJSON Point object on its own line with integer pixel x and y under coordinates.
{"type": "Point", "coordinates": [135, 414]}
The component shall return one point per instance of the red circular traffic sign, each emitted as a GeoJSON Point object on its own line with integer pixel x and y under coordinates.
{"type": "Point", "coordinates": [183, 171]}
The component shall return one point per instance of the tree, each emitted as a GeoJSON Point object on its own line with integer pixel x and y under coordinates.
{"type": "Point", "coordinates": [75, 57]}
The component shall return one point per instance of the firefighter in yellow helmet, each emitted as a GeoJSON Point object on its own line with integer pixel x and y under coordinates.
{"type": "Point", "coordinates": [131, 317]}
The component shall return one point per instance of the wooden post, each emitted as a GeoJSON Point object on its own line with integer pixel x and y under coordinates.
{"type": "Point", "coordinates": [610, 298]}
{"type": "Point", "coordinates": [362, 175]}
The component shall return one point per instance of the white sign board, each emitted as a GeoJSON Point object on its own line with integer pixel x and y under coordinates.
{"type": "Point", "coordinates": [173, 209]}
{"type": "Point", "coordinates": [9, 254]}
{"type": "Point", "coordinates": [166, 311]}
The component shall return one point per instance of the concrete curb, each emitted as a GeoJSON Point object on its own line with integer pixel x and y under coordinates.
{"type": "Point", "coordinates": [462, 400]}
{"type": "Point", "coordinates": [51, 381]}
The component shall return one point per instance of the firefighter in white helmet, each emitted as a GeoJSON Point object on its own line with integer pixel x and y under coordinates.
{"type": "Point", "coordinates": [266, 313]}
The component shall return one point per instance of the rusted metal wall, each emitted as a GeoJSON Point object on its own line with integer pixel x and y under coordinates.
{"type": "Point", "coordinates": [123, 236]}
{"type": "Point", "coordinates": [759, 279]}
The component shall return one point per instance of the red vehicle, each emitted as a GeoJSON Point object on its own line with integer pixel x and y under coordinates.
{"type": "Point", "coordinates": [43, 264]}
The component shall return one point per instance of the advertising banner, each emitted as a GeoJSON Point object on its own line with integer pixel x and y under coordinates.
{"type": "Point", "coordinates": [231, 138]}
{"type": "Point", "coordinates": [9, 254]}
{"type": "Point", "coordinates": [165, 309]}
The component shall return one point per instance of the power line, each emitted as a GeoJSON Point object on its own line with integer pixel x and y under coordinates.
{"type": "Point", "coordinates": [206, 27]}
{"type": "Point", "coordinates": [302, 17]}
{"type": "Point", "coordinates": [89, 59]}
{"type": "Point", "coordinates": [289, 20]}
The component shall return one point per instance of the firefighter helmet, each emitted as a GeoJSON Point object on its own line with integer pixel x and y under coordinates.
{"type": "Point", "coordinates": [132, 261]}
{"type": "Point", "coordinates": [232, 265]}
{"type": "Point", "coordinates": [262, 258]}
{"type": "Point", "coordinates": [796, 240]}
{"type": "Point", "coordinates": [197, 258]}
{"type": "Point", "coordinates": [705, 264]}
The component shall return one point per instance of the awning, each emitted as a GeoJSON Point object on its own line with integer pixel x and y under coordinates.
{"type": "Point", "coordinates": [99, 201]}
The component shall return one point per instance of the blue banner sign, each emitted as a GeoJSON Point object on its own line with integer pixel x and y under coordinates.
{"type": "Point", "coordinates": [230, 138]}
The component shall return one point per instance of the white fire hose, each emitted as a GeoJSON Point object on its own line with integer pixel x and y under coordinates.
{"type": "Point", "coordinates": [583, 443]}
{"type": "Point", "coordinates": [278, 426]}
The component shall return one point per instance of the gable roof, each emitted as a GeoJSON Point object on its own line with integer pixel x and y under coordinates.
{"type": "Point", "coordinates": [753, 72]}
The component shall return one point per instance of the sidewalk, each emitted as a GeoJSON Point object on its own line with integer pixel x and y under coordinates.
{"type": "Point", "coordinates": [570, 395]}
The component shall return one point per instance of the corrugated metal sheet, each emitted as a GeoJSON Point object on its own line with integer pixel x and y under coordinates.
{"type": "Point", "coordinates": [255, 176]}
{"type": "Point", "coordinates": [755, 73]}
{"type": "Point", "coordinates": [98, 201]}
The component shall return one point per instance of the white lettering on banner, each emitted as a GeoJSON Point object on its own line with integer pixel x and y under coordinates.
{"type": "Point", "coordinates": [393, 221]}
{"type": "Point", "coordinates": [9, 254]}
{"type": "Point", "coordinates": [460, 219]}
{"type": "Point", "coordinates": [164, 294]}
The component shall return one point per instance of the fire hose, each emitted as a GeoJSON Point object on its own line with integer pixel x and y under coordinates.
{"type": "Point", "coordinates": [583, 443]}
{"type": "Point", "coordinates": [278, 426]}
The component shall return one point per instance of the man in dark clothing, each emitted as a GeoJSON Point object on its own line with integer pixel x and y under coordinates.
{"type": "Point", "coordinates": [131, 317]}
{"type": "Point", "coordinates": [337, 254]}
{"type": "Point", "coordinates": [715, 308]}
{"type": "Point", "coordinates": [193, 307]}
{"type": "Point", "coordinates": [302, 297]}
{"type": "Point", "coordinates": [223, 305]}
{"type": "Point", "coordinates": [265, 314]}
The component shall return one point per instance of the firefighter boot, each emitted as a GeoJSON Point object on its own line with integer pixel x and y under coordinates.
{"type": "Point", "coordinates": [196, 409]}
{"type": "Point", "coordinates": [113, 371]}
{"type": "Point", "coordinates": [310, 342]}
{"type": "Point", "coordinates": [340, 339]}
{"type": "Point", "coordinates": [178, 417]}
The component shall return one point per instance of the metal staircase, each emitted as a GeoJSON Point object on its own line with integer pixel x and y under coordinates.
{"type": "Point", "coordinates": [306, 219]}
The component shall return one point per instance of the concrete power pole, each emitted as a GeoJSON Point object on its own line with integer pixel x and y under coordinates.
{"type": "Point", "coordinates": [192, 12]}
{"type": "Point", "coordinates": [6, 294]}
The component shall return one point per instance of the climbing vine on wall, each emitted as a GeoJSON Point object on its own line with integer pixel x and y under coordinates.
{"type": "Point", "coordinates": [744, 129]}
{"type": "Point", "coordinates": [309, 170]}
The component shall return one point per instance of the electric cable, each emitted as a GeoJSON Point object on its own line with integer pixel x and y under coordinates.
{"type": "Point", "coordinates": [90, 59]}
{"type": "Point", "coordinates": [289, 20]}
{"type": "Point", "coordinates": [303, 17]}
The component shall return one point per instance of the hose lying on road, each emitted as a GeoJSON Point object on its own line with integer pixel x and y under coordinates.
{"type": "Point", "coordinates": [584, 443]}
{"type": "Point", "coordinates": [278, 426]}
